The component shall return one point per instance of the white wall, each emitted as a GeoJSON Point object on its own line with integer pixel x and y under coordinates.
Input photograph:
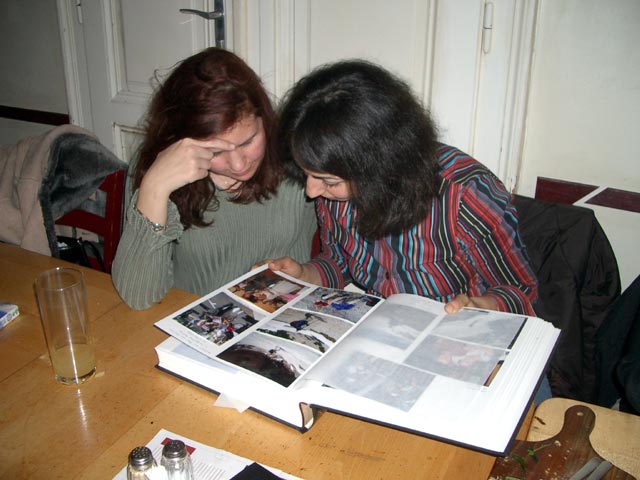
{"type": "Point", "coordinates": [13, 130]}
{"type": "Point", "coordinates": [31, 71]}
{"type": "Point", "coordinates": [583, 122]}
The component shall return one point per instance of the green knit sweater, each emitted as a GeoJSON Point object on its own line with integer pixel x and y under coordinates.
{"type": "Point", "coordinates": [200, 260]}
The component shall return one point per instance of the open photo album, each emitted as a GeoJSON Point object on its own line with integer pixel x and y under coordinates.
{"type": "Point", "coordinates": [290, 350]}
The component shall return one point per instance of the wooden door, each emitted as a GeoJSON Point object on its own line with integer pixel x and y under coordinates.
{"type": "Point", "coordinates": [116, 51]}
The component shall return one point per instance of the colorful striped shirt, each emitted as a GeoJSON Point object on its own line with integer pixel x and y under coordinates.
{"type": "Point", "coordinates": [468, 243]}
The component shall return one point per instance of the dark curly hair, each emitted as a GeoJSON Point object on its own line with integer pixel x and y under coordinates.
{"type": "Point", "coordinates": [207, 94]}
{"type": "Point", "coordinates": [356, 120]}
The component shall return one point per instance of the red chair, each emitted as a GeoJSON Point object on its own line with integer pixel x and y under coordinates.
{"type": "Point", "coordinates": [109, 227]}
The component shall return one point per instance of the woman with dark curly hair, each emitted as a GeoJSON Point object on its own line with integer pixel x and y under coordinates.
{"type": "Point", "coordinates": [399, 212]}
{"type": "Point", "coordinates": [210, 195]}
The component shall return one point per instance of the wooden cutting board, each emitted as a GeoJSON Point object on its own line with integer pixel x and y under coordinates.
{"type": "Point", "coordinates": [560, 457]}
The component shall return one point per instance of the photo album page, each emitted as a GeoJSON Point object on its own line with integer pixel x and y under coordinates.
{"type": "Point", "coordinates": [269, 324]}
{"type": "Point", "coordinates": [278, 327]}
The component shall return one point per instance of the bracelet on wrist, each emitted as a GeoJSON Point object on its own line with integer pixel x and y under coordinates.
{"type": "Point", "coordinates": [156, 227]}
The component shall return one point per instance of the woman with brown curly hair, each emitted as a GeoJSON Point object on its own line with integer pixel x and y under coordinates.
{"type": "Point", "coordinates": [210, 196]}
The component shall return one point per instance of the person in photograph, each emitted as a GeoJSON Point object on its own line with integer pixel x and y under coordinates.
{"type": "Point", "coordinates": [302, 323]}
{"type": "Point", "coordinates": [210, 195]}
{"type": "Point", "coordinates": [399, 212]}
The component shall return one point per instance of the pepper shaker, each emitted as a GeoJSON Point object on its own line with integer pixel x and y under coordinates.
{"type": "Point", "coordinates": [141, 462]}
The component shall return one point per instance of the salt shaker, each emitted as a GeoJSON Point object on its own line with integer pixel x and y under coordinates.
{"type": "Point", "coordinates": [141, 462]}
{"type": "Point", "coordinates": [177, 461]}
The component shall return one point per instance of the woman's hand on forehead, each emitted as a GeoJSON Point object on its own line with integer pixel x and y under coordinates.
{"type": "Point", "coordinates": [215, 145]}
{"type": "Point", "coordinates": [183, 162]}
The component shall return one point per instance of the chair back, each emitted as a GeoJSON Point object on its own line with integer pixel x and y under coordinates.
{"type": "Point", "coordinates": [109, 227]}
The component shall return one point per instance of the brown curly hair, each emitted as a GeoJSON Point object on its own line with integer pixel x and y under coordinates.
{"type": "Point", "coordinates": [204, 95]}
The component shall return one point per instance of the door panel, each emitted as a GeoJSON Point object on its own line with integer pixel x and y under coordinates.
{"type": "Point", "coordinates": [475, 96]}
{"type": "Point", "coordinates": [456, 71]}
{"type": "Point", "coordinates": [127, 44]}
{"type": "Point", "coordinates": [480, 79]}
{"type": "Point", "coordinates": [391, 33]}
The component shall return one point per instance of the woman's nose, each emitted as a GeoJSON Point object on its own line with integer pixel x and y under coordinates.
{"type": "Point", "coordinates": [314, 187]}
{"type": "Point", "coordinates": [237, 161]}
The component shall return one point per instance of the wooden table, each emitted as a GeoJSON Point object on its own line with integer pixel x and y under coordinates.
{"type": "Point", "coordinates": [49, 430]}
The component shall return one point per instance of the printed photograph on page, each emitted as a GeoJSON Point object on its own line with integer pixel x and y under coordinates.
{"type": "Point", "coordinates": [267, 290]}
{"type": "Point", "coordinates": [217, 319]}
{"type": "Point", "coordinates": [273, 358]}
{"type": "Point", "coordinates": [375, 378]}
{"type": "Point", "coordinates": [312, 329]}
{"type": "Point", "coordinates": [350, 306]}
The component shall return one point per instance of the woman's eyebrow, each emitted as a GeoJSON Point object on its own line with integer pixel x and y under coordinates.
{"type": "Point", "coordinates": [249, 138]}
{"type": "Point", "coordinates": [319, 177]}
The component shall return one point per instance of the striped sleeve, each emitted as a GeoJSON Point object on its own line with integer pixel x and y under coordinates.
{"type": "Point", "coordinates": [488, 230]}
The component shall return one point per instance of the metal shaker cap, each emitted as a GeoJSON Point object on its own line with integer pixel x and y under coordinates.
{"type": "Point", "coordinates": [174, 449]}
{"type": "Point", "coordinates": [141, 457]}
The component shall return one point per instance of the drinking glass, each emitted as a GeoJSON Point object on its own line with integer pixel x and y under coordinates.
{"type": "Point", "coordinates": [62, 299]}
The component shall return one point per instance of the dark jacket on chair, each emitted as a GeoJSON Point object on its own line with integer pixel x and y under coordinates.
{"type": "Point", "coordinates": [578, 280]}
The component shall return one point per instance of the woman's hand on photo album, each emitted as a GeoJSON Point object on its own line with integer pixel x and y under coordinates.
{"type": "Point", "coordinates": [462, 300]}
{"type": "Point", "coordinates": [289, 266]}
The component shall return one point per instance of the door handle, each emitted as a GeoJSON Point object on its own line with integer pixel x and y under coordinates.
{"type": "Point", "coordinates": [218, 18]}
{"type": "Point", "coordinates": [206, 15]}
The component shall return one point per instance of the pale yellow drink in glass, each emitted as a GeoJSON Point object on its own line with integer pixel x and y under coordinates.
{"type": "Point", "coordinates": [62, 299]}
{"type": "Point", "coordinates": [73, 364]}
